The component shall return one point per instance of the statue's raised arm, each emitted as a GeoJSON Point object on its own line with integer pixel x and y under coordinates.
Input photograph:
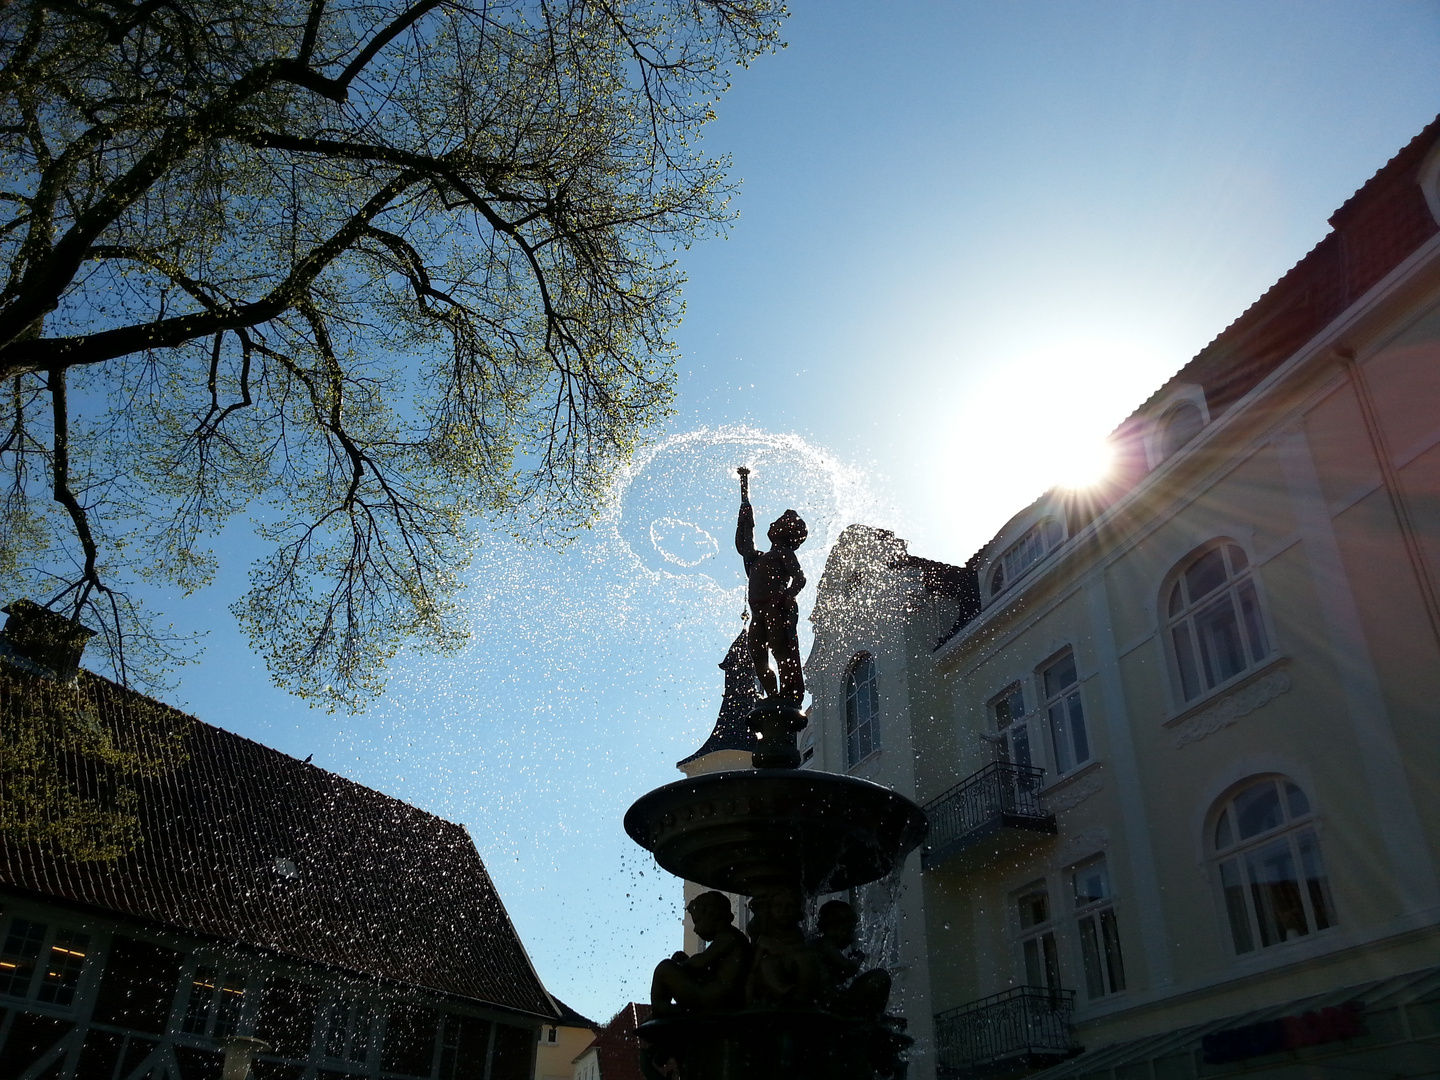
{"type": "Point", "coordinates": [774, 582]}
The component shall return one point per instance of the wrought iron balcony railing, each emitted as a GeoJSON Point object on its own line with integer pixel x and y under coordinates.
{"type": "Point", "coordinates": [1024, 1028]}
{"type": "Point", "coordinates": [1002, 798]}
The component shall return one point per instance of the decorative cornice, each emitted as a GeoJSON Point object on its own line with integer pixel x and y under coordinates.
{"type": "Point", "coordinates": [1232, 707]}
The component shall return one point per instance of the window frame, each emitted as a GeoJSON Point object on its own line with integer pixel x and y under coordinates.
{"type": "Point", "coordinates": [1071, 698]}
{"type": "Point", "coordinates": [1193, 664]}
{"type": "Point", "coordinates": [861, 734]}
{"type": "Point", "coordinates": [1042, 934]}
{"type": "Point", "coordinates": [1163, 449]}
{"type": "Point", "coordinates": [67, 991]}
{"type": "Point", "coordinates": [1100, 964]}
{"type": "Point", "coordinates": [1240, 852]}
{"type": "Point", "coordinates": [342, 1009]}
{"type": "Point", "coordinates": [224, 976]}
{"type": "Point", "coordinates": [1004, 573]}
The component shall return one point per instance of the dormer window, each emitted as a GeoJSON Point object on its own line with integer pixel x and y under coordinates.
{"type": "Point", "coordinates": [1021, 556]}
{"type": "Point", "coordinates": [1180, 425]}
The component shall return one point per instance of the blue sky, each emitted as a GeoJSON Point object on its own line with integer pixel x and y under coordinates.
{"type": "Point", "coordinates": [972, 237]}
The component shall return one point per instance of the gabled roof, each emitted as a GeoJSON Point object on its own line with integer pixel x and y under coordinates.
{"type": "Point", "coordinates": [617, 1046]}
{"type": "Point", "coordinates": [243, 843]}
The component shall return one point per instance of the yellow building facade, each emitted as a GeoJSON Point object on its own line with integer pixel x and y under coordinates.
{"type": "Point", "coordinates": [1177, 737]}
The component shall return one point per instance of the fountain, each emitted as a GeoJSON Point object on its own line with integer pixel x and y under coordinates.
{"type": "Point", "coordinates": [778, 1003]}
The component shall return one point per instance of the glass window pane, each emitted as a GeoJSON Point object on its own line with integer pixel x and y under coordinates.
{"type": "Point", "coordinates": [1090, 954]}
{"type": "Point", "coordinates": [360, 1034]}
{"type": "Point", "coordinates": [1205, 575]}
{"type": "Point", "coordinates": [22, 949]}
{"type": "Point", "coordinates": [1257, 809]}
{"type": "Point", "coordinates": [1079, 739]}
{"type": "Point", "coordinates": [1317, 885]}
{"type": "Point", "coordinates": [1114, 965]}
{"type": "Point", "coordinates": [1238, 559]}
{"type": "Point", "coordinates": [997, 582]}
{"type": "Point", "coordinates": [62, 973]}
{"type": "Point", "coordinates": [1224, 837]}
{"type": "Point", "coordinates": [1052, 962]}
{"type": "Point", "coordinates": [1218, 631]}
{"type": "Point", "coordinates": [1092, 883]}
{"type": "Point", "coordinates": [1009, 706]}
{"type": "Point", "coordinates": [1060, 738]}
{"type": "Point", "coordinates": [1182, 425]}
{"type": "Point", "coordinates": [1034, 907]}
{"type": "Point", "coordinates": [1299, 804]}
{"type": "Point", "coordinates": [335, 1037]}
{"type": "Point", "coordinates": [227, 1006]}
{"type": "Point", "coordinates": [1034, 972]}
{"type": "Point", "coordinates": [1254, 626]}
{"type": "Point", "coordinates": [1275, 890]}
{"type": "Point", "coordinates": [1060, 675]}
{"type": "Point", "coordinates": [1020, 745]}
{"type": "Point", "coordinates": [1235, 906]}
{"type": "Point", "coordinates": [202, 992]}
{"type": "Point", "coordinates": [1185, 660]}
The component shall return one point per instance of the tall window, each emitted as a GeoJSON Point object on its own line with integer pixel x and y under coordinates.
{"type": "Point", "coordinates": [1011, 724]}
{"type": "Point", "coordinates": [862, 710]}
{"type": "Point", "coordinates": [1065, 713]}
{"type": "Point", "coordinates": [1021, 556]}
{"type": "Point", "coordinates": [42, 962]}
{"type": "Point", "coordinates": [1215, 626]}
{"type": "Point", "coordinates": [1037, 937]}
{"type": "Point", "coordinates": [214, 1004]}
{"type": "Point", "coordinates": [351, 1031]}
{"type": "Point", "coordinates": [1271, 873]}
{"type": "Point", "coordinates": [1099, 932]}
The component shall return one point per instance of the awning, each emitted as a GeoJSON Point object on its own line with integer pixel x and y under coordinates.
{"type": "Point", "coordinates": [1384, 1029]}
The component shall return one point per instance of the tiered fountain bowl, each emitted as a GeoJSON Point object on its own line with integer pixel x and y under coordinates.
{"type": "Point", "coordinates": [755, 831]}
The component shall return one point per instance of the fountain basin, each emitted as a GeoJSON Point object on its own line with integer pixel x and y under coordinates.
{"type": "Point", "coordinates": [751, 831]}
{"type": "Point", "coordinates": [775, 1045]}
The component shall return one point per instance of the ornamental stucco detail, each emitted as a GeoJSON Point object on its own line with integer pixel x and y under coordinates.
{"type": "Point", "coordinates": [1230, 709]}
{"type": "Point", "coordinates": [1076, 793]}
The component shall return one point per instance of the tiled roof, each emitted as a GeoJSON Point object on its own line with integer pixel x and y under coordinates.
{"type": "Point", "coordinates": [617, 1046]}
{"type": "Point", "coordinates": [242, 843]}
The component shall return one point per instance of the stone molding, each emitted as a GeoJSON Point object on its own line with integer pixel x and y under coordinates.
{"type": "Point", "coordinates": [1082, 845]}
{"type": "Point", "coordinates": [1232, 707]}
{"type": "Point", "coordinates": [1073, 794]}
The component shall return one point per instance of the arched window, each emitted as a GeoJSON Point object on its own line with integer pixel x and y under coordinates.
{"type": "Point", "coordinates": [1179, 426]}
{"type": "Point", "coordinates": [862, 710]}
{"type": "Point", "coordinates": [1215, 627]}
{"type": "Point", "coordinates": [1271, 873]}
{"type": "Point", "coordinates": [1020, 557]}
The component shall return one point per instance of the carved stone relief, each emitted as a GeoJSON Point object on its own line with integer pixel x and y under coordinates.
{"type": "Point", "coordinates": [1231, 708]}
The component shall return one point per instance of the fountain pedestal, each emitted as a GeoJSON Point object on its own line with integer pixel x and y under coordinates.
{"type": "Point", "coordinates": [758, 832]}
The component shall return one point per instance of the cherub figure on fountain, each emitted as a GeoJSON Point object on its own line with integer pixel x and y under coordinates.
{"type": "Point", "coordinates": [845, 989]}
{"type": "Point", "coordinates": [784, 972]}
{"type": "Point", "coordinates": [712, 979]}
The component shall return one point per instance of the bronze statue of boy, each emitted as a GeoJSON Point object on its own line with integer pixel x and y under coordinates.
{"type": "Point", "coordinates": [774, 582]}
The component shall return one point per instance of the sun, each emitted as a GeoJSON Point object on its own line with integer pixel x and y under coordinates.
{"type": "Point", "coordinates": [1083, 464]}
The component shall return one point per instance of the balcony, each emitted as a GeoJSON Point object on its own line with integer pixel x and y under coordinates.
{"type": "Point", "coordinates": [991, 814]}
{"type": "Point", "coordinates": [1013, 1032]}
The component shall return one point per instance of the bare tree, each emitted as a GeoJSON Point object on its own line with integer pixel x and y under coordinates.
{"type": "Point", "coordinates": [374, 270]}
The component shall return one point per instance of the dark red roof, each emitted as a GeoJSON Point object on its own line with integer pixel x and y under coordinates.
{"type": "Point", "coordinates": [243, 843]}
{"type": "Point", "coordinates": [617, 1045]}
